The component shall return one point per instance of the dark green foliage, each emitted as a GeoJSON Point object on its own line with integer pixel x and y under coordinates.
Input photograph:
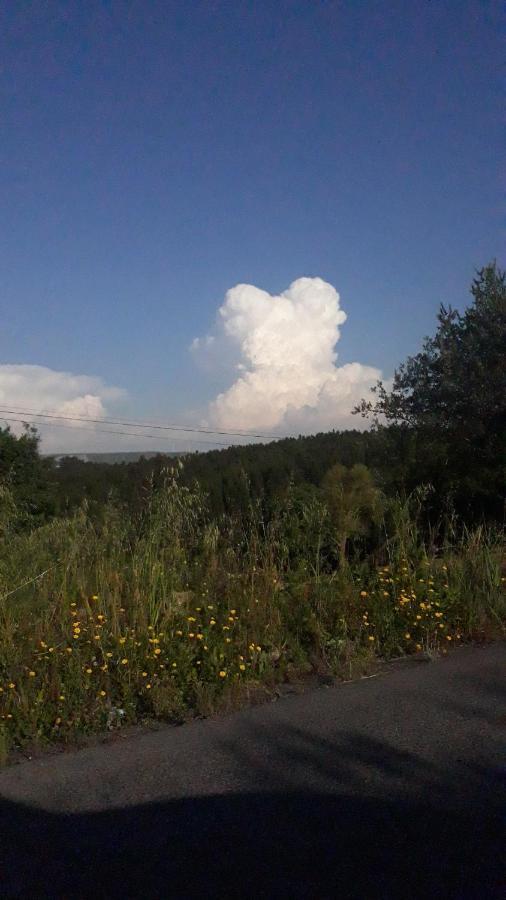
{"type": "Point", "coordinates": [449, 401]}
{"type": "Point", "coordinates": [27, 476]}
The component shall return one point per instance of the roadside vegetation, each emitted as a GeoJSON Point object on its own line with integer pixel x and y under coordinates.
{"type": "Point", "coordinates": [163, 605]}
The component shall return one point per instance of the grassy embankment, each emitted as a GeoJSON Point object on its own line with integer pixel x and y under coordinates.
{"type": "Point", "coordinates": [174, 615]}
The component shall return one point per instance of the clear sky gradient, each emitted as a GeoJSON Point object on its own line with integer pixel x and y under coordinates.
{"type": "Point", "coordinates": [155, 154]}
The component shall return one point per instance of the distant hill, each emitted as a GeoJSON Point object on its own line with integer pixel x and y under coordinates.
{"type": "Point", "coordinates": [114, 458]}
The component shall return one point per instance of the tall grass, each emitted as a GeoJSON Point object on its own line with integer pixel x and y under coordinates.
{"type": "Point", "coordinates": [172, 614]}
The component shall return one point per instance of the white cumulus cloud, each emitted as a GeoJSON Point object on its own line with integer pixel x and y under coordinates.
{"type": "Point", "coordinates": [26, 389]}
{"type": "Point", "coordinates": [286, 377]}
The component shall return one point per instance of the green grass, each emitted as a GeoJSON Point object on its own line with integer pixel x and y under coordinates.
{"type": "Point", "coordinates": [173, 615]}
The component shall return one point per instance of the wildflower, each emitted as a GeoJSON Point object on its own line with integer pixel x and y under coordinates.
{"type": "Point", "coordinates": [438, 615]}
{"type": "Point", "coordinates": [222, 673]}
{"type": "Point", "coordinates": [122, 640]}
{"type": "Point", "coordinates": [101, 693]}
{"type": "Point", "coordinates": [12, 685]}
{"type": "Point", "coordinates": [57, 721]}
{"type": "Point", "coordinates": [385, 593]}
{"type": "Point", "coordinates": [212, 621]}
{"type": "Point", "coordinates": [43, 645]}
{"type": "Point", "coordinates": [73, 604]}
{"type": "Point", "coordinates": [191, 635]}
{"type": "Point", "coordinates": [148, 687]}
{"type": "Point", "coordinates": [233, 612]}
{"type": "Point", "coordinates": [258, 648]}
{"type": "Point", "coordinates": [210, 606]}
{"type": "Point", "coordinates": [226, 628]}
{"type": "Point", "coordinates": [200, 637]}
{"type": "Point", "coordinates": [448, 637]}
{"type": "Point", "coordinates": [418, 646]}
{"type": "Point", "coordinates": [363, 593]}
{"type": "Point", "coordinates": [31, 674]}
{"type": "Point", "coordinates": [192, 619]}
{"type": "Point", "coordinates": [174, 665]}
{"type": "Point", "coordinates": [100, 617]}
{"type": "Point", "coordinates": [124, 662]}
{"type": "Point", "coordinates": [94, 596]}
{"type": "Point", "coordinates": [179, 633]}
{"type": "Point", "coordinates": [157, 651]}
{"type": "Point", "coordinates": [89, 671]}
{"type": "Point", "coordinates": [441, 625]}
{"type": "Point", "coordinates": [242, 667]}
{"type": "Point", "coordinates": [371, 637]}
{"type": "Point", "coordinates": [69, 649]}
{"type": "Point", "coordinates": [231, 619]}
{"type": "Point", "coordinates": [104, 668]}
{"type": "Point", "coordinates": [407, 636]}
{"type": "Point", "coordinates": [418, 618]}
{"type": "Point", "coordinates": [228, 640]}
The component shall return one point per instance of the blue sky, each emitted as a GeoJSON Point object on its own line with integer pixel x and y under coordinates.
{"type": "Point", "coordinates": [154, 155]}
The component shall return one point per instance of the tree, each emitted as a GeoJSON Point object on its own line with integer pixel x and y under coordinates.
{"type": "Point", "coordinates": [353, 502]}
{"type": "Point", "coordinates": [26, 475]}
{"type": "Point", "coordinates": [453, 395]}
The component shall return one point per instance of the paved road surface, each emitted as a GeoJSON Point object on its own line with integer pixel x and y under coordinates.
{"type": "Point", "coordinates": [388, 787]}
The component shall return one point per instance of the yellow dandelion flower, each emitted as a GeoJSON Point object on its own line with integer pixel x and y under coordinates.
{"type": "Point", "coordinates": [242, 667]}
{"type": "Point", "coordinates": [191, 619]}
{"type": "Point", "coordinates": [102, 694]}
{"type": "Point", "coordinates": [31, 674]}
{"type": "Point", "coordinates": [371, 637]}
{"type": "Point", "coordinates": [94, 596]}
{"type": "Point", "coordinates": [124, 662]}
{"type": "Point", "coordinates": [109, 654]}
{"type": "Point", "coordinates": [212, 621]}
{"type": "Point", "coordinates": [122, 640]}
{"type": "Point", "coordinates": [179, 633]}
{"type": "Point", "coordinates": [157, 651]}
{"type": "Point", "coordinates": [174, 665]}
{"type": "Point", "coordinates": [148, 687]}
{"type": "Point", "coordinates": [233, 612]}
{"type": "Point", "coordinates": [12, 685]}
{"type": "Point", "coordinates": [222, 673]}
{"type": "Point", "coordinates": [191, 635]}
{"type": "Point", "coordinates": [89, 671]}
{"type": "Point", "coordinates": [69, 649]}
{"type": "Point", "coordinates": [258, 648]}
{"type": "Point", "coordinates": [200, 637]}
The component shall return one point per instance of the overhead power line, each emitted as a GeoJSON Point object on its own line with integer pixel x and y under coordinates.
{"type": "Point", "coordinates": [153, 426]}
{"type": "Point", "coordinates": [155, 437]}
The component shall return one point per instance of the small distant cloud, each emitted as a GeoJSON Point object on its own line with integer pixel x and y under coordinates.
{"type": "Point", "coordinates": [286, 377]}
{"type": "Point", "coordinates": [44, 390]}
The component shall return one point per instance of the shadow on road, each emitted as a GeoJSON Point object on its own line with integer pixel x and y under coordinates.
{"type": "Point", "coordinates": [273, 843]}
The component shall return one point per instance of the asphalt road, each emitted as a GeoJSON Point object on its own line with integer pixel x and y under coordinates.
{"type": "Point", "coordinates": [387, 787]}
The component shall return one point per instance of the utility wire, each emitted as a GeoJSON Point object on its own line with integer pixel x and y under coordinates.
{"type": "Point", "coordinates": [20, 409]}
{"type": "Point", "coordinates": [155, 437]}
